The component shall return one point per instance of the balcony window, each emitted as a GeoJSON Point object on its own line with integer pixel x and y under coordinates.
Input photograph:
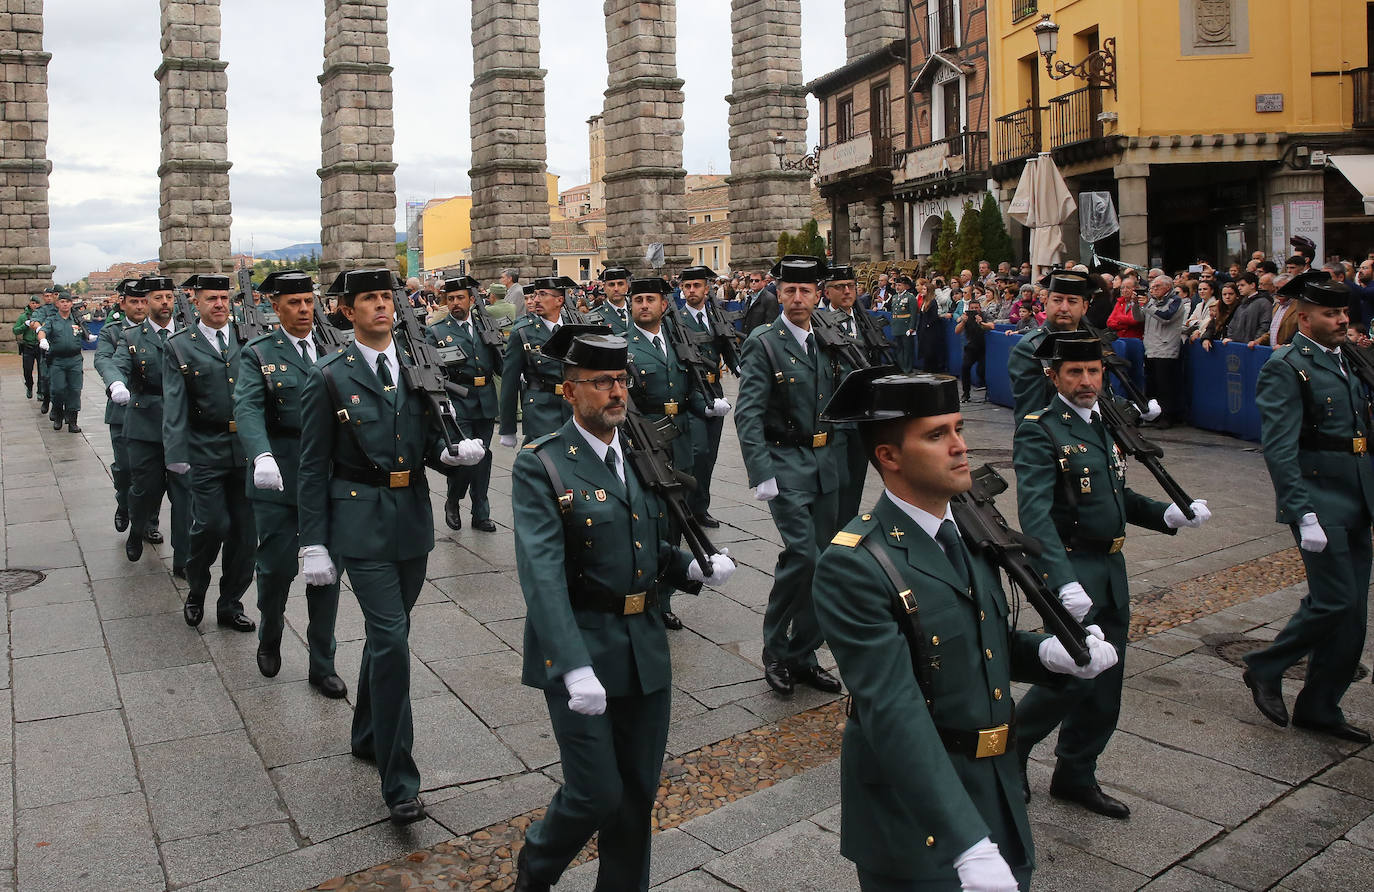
{"type": "Point", "coordinates": [844, 119]}
{"type": "Point", "coordinates": [880, 110]}
{"type": "Point", "coordinates": [1023, 9]}
{"type": "Point", "coordinates": [943, 24]}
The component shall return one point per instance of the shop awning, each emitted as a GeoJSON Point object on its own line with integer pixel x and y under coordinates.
{"type": "Point", "coordinates": [1359, 170]}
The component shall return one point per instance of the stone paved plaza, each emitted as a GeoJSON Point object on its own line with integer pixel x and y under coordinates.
{"type": "Point", "coordinates": [146, 755]}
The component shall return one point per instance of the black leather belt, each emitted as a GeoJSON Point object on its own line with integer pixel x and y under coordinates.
{"type": "Point", "coordinates": [1318, 442]}
{"type": "Point", "coordinates": [604, 601]}
{"type": "Point", "coordinates": [1092, 544]}
{"type": "Point", "coordinates": [206, 426]}
{"type": "Point", "coordinates": [544, 386]}
{"type": "Point", "coordinates": [377, 477]}
{"type": "Point", "coordinates": [280, 430]}
{"type": "Point", "coordinates": [797, 438]}
{"type": "Point", "coordinates": [979, 744]}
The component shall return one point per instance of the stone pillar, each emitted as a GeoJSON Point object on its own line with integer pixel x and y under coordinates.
{"type": "Point", "coordinates": [870, 25]}
{"type": "Point", "coordinates": [357, 174]}
{"type": "Point", "coordinates": [25, 266]}
{"type": "Point", "coordinates": [877, 219]}
{"type": "Point", "coordinates": [839, 231]}
{"type": "Point", "coordinates": [1132, 211]}
{"type": "Point", "coordinates": [767, 99]}
{"type": "Point", "coordinates": [510, 193]}
{"type": "Point", "coordinates": [1282, 188]}
{"type": "Point", "coordinates": [645, 180]}
{"type": "Point", "coordinates": [194, 213]}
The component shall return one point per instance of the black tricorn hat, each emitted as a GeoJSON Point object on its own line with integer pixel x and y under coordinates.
{"type": "Point", "coordinates": [843, 273]}
{"type": "Point", "coordinates": [799, 268]}
{"type": "Point", "coordinates": [882, 393]}
{"type": "Point", "coordinates": [696, 273]}
{"type": "Point", "coordinates": [1068, 281]}
{"type": "Point", "coordinates": [1295, 286]}
{"type": "Point", "coordinates": [650, 286]}
{"type": "Point", "coordinates": [149, 284]}
{"type": "Point", "coordinates": [588, 347]}
{"type": "Point", "coordinates": [1069, 346]}
{"type": "Point", "coordinates": [126, 287]}
{"type": "Point", "coordinates": [615, 273]}
{"type": "Point", "coordinates": [287, 281]}
{"type": "Point", "coordinates": [461, 283]}
{"type": "Point", "coordinates": [1331, 294]}
{"type": "Point", "coordinates": [337, 286]}
{"type": "Point", "coordinates": [552, 283]}
{"type": "Point", "coordinates": [207, 282]}
{"type": "Point", "coordinates": [361, 281]}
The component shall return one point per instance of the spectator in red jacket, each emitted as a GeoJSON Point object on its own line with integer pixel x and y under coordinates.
{"type": "Point", "coordinates": [1122, 319]}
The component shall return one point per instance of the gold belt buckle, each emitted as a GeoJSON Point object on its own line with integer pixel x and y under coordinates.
{"type": "Point", "coordinates": [819, 440]}
{"type": "Point", "coordinates": [670, 408]}
{"type": "Point", "coordinates": [558, 389]}
{"type": "Point", "coordinates": [1117, 544]}
{"type": "Point", "coordinates": [400, 479]}
{"type": "Point", "coordinates": [634, 604]}
{"type": "Point", "coordinates": [1359, 445]}
{"type": "Point", "coordinates": [234, 428]}
{"type": "Point", "coordinates": [992, 742]}
{"type": "Point", "coordinates": [480, 381]}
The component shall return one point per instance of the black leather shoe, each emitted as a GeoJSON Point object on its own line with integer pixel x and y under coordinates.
{"type": "Point", "coordinates": [28, 392]}
{"type": "Point", "coordinates": [269, 659]}
{"type": "Point", "coordinates": [179, 572]}
{"type": "Point", "coordinates": [133, 548]}
{"type": "Point", "coordinates": [816, 677]}
{"type": "Point", "coordinates": [453, 515]}
{"type": "Point", "coordinates": [407, 811]}
{"type": "Point", "coordinates": [153, 536]}
{"type": "Point", "coordinates": [73, 427]}
{"type": "Point", "coordinates": [778, 676]}
{"type": "Point", "coordinates": [1093, 799]}
{"type": "Point", "coordinates": [708, 521]}
{"type": "Point", "coordinates": [236, 621]}
{"type": "Point", "coordinates": [332, 686]}
{"type": "Point", "coordinates": [486, 525]}
{"type": "Point", "coordinates": [57, 425]}
{"type": "Point", "coordinates": [193, 613]}
{"type": "Point", "coordinates": [1268, 699]}
{"type": "Point", "coordinates": [671, 622]}
{"type": "Point", "coordinates": [524, 882]}
{"type": "Point", "coordinates": [1340, 730]}
{"type": "Point", "coordinates": [44, 406]}
{"type": "Point", "coordinates": [121, 520]}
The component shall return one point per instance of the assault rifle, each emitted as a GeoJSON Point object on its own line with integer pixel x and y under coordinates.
{"type": "Point", "coordinates": [987, 531]}
{"type": "Point", "coordinates": [832, 339]}
{"type": "Point", "coordinates": [183, 312]}
{"type": "Point", "coordinates": [425, 376]}
{"type": "Point", "coordinates": [726, 337]}
{"type": "Point", "coordinates": [328, 337]}
{"type": "Point", "coordinates": [705, 379]}
{"type": "Point", "coordinates": [488, 331]}
{"type": "Point", "coordinates": [870, 333]}
{"type": "Point", "coordinates": [1359, 362]}
{"type": "Point", "coordinates": [573, 316]}
{"type": "Point", "coordinates": [254, 321]}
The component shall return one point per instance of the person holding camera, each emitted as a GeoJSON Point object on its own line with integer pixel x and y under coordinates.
{"type": "Point", "coordinates": [974, 326]}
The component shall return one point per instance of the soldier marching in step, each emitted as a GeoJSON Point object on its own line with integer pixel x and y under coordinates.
{"type": "Point", "coordinates": [134, 306]}
{"type": "Point", "coordinates": [61, 338]}
{"type": "Point", "coordinates": [530, 381]}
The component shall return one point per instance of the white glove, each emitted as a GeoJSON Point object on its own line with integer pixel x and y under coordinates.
{"type": "Point", "coordinates": [767, 491]}
{"type": "Point", "coordinates": [1101, 656]}
{"type": "Point", "coordinates": [44, 345]}
{"type": "Point", "coordinates": [266, 474]}
{"type": "Point", "coordinates": [1173, 515]}
{"type": "Point", "coordinates": [718, 409]}
{"type": "Point", "coordinates": [1152, 411]}
{"type": "Point", "coordinates": [119, 394]}
{"type": "Point", "coordinates": [586, 696]}
{"type": "Point", "coordinates": [721, 568]}
{"type": "Point", "coordinates": [179, 468]}
{"type": "Point", "coordinates": [470, 452]}
{"type": "Point", "coordinates": [508, 441]}
{"type": "Point", "coordinates": [316, 567]}
{"type": "Point", "coordinates": [90, 339]}
{"type": "Point", "coordinates": [983, 869]}
{"type": "Point", "coordinates": [1075, 600]}
{"type": "Point", "coordinates": [1313, 536]}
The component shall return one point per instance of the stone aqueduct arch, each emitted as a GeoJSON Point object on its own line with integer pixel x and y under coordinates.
{"type": "Point", "coordinates": [643, 112]}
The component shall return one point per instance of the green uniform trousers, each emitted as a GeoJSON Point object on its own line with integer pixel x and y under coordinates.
{"type": "Point", "coordinates": [806, 522]}
{"type": "Point", "coordinates": [221, 517]}
{"type": "Point", "coordinates": [149, 479]}
{"type": "Point", "coordinates": [276, 568]}
{"type": "Point", "coordinates": [475, 479]}
{"type": "Point", "coordinates": [1085, 709]}
{"type": "Point", "coordinates": [44, 374]}
{"type": "Point", "coordinates": [611, 769]}
{"type": "Point", "coordinates": [119, 467]}
{"type": "Point", "coordinates": [1329, 627]}
{"type": "Point", "coordinates": [855, 469]}
{"type": "Point", "coordinates": [64, 383]}
{"type": "Point", "coordinates": [382, 726]}
{"type": "Point", "coordinates": [705, 448]}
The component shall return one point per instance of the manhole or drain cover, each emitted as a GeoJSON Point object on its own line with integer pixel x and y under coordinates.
{"type": "Point", "coordinates": [1232, 647]}
{"type": "Point", "coordinates": [12, 581]}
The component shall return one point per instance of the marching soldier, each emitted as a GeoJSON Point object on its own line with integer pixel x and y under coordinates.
{"type": "Point", "coordinates": [919, 628]}
{"type": "Point", "coordinates": [45, 311]}
{"type": "Point", "coordinates": [1316, 425]}
{"type": "Point", "coordinates": [62, 338]}
{"type": "Point", "coordinates": [364, 498]}
{"type": "Point", "coordinates": [477, 412]}
{"type": "Point", "coordinates": [904, 307]}
{"type": "Point", "coordinates": [134, 306]}
{"type": "Point", "coordinates": [615, 312]}
{"type": "Point", "coordinates": [198, 431]}
{"type": "Point", "coordinates": [594, 643]}
{"type": "Point", "coordinates": [785, 381]}
{"type": "Point", "coordinates": [26, 337]}
{"type": "Point", "coordinates": [695, 282]}
{"type": "Point", "coordinates": [841, 293]}
{"type": "Point", "coordinates": [139, 364]}
{"type": "Point", "coordinates": [530, 381]}
{"type": "Point", "coordinates": [1072, 494]}
{"type": "Point", "coordinates": [267, 411]}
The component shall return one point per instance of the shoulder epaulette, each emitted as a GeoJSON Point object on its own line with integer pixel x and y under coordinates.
{"type": "Point", "coordinates": [536, 444]}
{"type": "Point", "coordinates": [1033, 416]}
{"type": "Point", "coordinates": [262, 338]}
{"type": "Point", "coordinates": [326, 360]}
{"type": "Point", "coordinates": [178, 333]}
{"type": "Point", "coordinates": [854, 531]}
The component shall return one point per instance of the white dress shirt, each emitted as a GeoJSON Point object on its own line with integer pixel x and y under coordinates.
{"type": "Point", "coordinates": [600, 447]}
{"type": "Point", "coordinates": [929, 523]}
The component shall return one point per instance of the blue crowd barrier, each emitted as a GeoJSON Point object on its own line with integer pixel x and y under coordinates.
{"type": "Point", "coordinates": [93, 328]}
{"type": "Point", "coordinates": [999, 379]}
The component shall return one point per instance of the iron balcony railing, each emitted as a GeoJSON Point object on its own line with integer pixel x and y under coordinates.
{"type": "Point", "coordinates": [1074, 117]}
{"type": "Point", "coordinates": [1018, 134]}
{"type": "Point", "coordinates": [940, 25]}
{"type": "Point", "coordinates": [1023, 9]}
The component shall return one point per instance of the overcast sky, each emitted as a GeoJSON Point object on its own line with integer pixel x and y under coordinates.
{"type": "Point", "coordinates": [104, 138]}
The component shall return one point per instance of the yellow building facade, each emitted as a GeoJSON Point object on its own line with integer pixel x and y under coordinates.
{"type": "Point", "coordinates": [446, 229]}
{"type": "Point", "coordinates": [1212, 123]}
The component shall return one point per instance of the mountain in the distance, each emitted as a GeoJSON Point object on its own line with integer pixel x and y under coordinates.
{"type": "Point", "coordinates": [290, 252]}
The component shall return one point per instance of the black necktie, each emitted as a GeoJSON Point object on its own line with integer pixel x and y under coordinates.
{"type": "Point", "coordinates": [953, 544]}
{"type": "Point", "coordinates": [1095, 418]}
{"type": "Point", "coordinates": [305, 354]}
{"type": "Point", "coordinates": [810, 346]}
{"type": "Point", "coordinates": [223, 347]}
{"type": "Point", "coordinates": [658, 345]}
{"type": "Point", "coordinates": [384, 375]}
{"type": "Point", "coordinates": [611, 463]}
{"type": "Point", "coordinates": [162, 335]}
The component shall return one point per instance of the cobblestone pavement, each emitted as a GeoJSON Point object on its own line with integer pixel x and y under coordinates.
{"type": "Point", "coordinates": [147, 755]}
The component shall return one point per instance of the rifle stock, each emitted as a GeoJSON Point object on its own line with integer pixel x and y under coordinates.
{"type": "Point", "coordinates": [727, 338]}
{"type": "Point", "coordinates": [426, 375]}
{"type": "Point", "coordinates": [831, 339]}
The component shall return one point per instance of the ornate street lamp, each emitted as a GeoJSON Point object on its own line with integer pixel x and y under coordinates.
{"type": "Point", "coordinates": [809, 163]}
{"type": "Point", "coordinates": [1098, 68]}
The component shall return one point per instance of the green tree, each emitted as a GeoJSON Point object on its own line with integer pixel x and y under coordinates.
{"type": "Point", "coordinates": [996, 240]}
{"type": "Point", "coordinates": [968, 244]}
{"type": "Point", "coordinates": [807, 241]}
{"type": "Point", "coordinates": [942, 257]}
{"type": "Point", "coordinates": [402, 265]}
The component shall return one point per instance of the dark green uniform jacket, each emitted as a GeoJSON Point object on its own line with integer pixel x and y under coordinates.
{"type": "Point", "coordinates": [199, 400]}
{"type": "Point", "coordinates": [910, 807]}
{"type": "Point", "coordinates": [139, 365]}
{"type": "Point", "coordinates": [477, 372]}
{"type": "Point", "coordinates": [608, 315]}
{"type": "Point", "coordinates": [267, 410]}
{"type": "Point", "coordinates": [611, 541]}
{"type": "Point", "coordinates": [1030, 386]}
{"type": "Point", "coordinates": [107, 367]}
{"type": "Point", "coordinates": [530, 381]}
{"type": "Point", "coordinates": [65, 336]}
{"type": "Point", "coordinates": [662, 389]}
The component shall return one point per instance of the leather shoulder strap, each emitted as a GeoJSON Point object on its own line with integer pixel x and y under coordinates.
{"type": "Point", "coordinates": [906, 611]}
